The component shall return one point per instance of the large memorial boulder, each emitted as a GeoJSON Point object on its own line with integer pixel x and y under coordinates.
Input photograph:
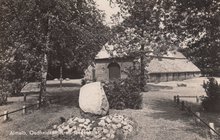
{"type": "Point", "coordinates": [93, 100]}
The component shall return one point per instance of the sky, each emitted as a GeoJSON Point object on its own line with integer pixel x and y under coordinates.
{"type": "Point", "coordinates": [104, 5]}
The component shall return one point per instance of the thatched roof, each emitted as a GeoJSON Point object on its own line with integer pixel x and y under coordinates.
{"type": "Point", "coordinates": [168, 65]}
{"type": "Point", "coordinates": [173, 61]}
{"type": "Point", "coordinates": [104, 54]}
{"type": "Point", "coordinates": [109, 51]}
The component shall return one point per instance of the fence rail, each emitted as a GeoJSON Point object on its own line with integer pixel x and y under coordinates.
{"type": "Point", "coordinates": [178, 98]}
{"type": "Point", "coordinates": [184, 107]}
{"type": "Point", "coordinates": [188, 96]}
{"type": "Point", "coordinates": [38, 104]}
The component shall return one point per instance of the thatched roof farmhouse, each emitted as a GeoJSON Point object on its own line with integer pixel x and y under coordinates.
{"type": "Point", "coordinates": [171, 67]}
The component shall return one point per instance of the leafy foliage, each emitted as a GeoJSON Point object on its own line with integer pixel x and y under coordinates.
{"type": "Point", "coordinates": [66, 32]}
{"type": "Point", "coordinates": [146, 30]}
{"type": "Point", "coordinates": [146, 23]}
{"type": "Point", "coordinates": [83, 82]}
{"type": "Point", "coordinates": [24, 68]}
{"type": "Point", "coordinates": [125, 93]}
{"type": "Point", "coordinates": [212, 89]}
{"type": "Point", "coordinates": [155, 26]}
{"type": "Point", "coordinates": [201, 26]}
{"type": "Point", "coordinates": [5, 88]}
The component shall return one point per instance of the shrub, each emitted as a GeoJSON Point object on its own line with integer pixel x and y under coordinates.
{"type": "Point", "coordinates": [5, 89]}
{"type": "Point", "coordinates": [3, 99]}
{"type": "Point", "coordinates": [83, 82]}
{"type": "Point", "coordinates": [17, 86]}
{"type": "Point", "coordinates": [125, 93]}
{"type": "Point", "coordinates": [211, 102]}
{"type": "Point", "coordinates": [86, 81]}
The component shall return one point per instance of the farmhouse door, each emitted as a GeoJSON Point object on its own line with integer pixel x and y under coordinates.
{"type": "Point", "coordinates": [114, 71]}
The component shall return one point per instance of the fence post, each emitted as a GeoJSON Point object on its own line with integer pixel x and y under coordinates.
{"type": "Point", "coordinates": [182, 105]}
{"type": "Point", "coordinates": [197, 118]}
{"type": "Point", "coordinates": [211, 125]}
{"type": "Point", "coordinates": [38, 104]}
{"type": "Point", "coordinates": [178, 100]}
{"type": "Point", "coordinates": [189, 109]}
{"type": "Point", "coordinates": [25, 96]}
{"type": "Point", "coordinates": [5, 115]}
{"type": "Point", "coordinates": [174, 98]}
{"type": "Point", "coordinates": [50, 101]}
{"type": "Point", "coordinates": [24, 110]}
{"type": "Point", "coordinates": [197, 99]}
{"type": "Point", "coordinates": [6, 98]}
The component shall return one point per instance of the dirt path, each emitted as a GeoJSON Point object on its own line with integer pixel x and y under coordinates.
{"type": "Point", "coordinates": [160, 119]}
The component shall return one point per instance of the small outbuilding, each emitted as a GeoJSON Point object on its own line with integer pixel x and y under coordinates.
{"type": "Point", "coordinates": [171, 67]}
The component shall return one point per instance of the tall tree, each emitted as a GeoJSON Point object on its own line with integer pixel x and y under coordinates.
{"type": "Point", "coordinates": [155, 26]}
{"type": "Point", "coordinates": [199, 22]}
{"type": "Point", "coordinates": [46, 28]}
{"type": "Point", "coordinates": [145, 30]}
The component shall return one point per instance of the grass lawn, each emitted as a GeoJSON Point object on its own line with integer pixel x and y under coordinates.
{"type": "Point", "coordinates": [159, 119]}
{"type": "Point", "coordinates": [44, 118]}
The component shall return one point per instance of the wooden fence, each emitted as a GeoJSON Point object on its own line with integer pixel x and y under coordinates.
{"type": "Point", "coordinates": [6, 113]}
{"type": "Point", "coordinates": [184, 107]}
{"type": "Point", "coordinates": [177, 98]}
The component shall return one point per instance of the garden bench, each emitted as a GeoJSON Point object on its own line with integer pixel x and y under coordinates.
{"type": "Point", "coordinates": [30, 88]}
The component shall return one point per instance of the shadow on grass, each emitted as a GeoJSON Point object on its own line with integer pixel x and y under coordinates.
{"type": "Point", "coordinates": [63, 85]}
{"type": "Point", "coordinates": [8, 103]}
{"type": "Point", "coordinates": [168, 110]}
{"type": "Point", "coordinates": [65, 98]}
{"type": "Point", "coordinates": [150, 87]}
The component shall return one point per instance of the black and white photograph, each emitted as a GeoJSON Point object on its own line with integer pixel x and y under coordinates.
{"type": "Point", "coordinates": [109, 69]}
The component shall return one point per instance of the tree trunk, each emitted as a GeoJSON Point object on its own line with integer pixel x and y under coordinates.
{"type": "Point", "coordinates": [143, 64]}
{"type": "Point", "coordinates": [44, 65]}
{"type": "Point", "coordinates": [61, 76]}
{"type": "Point", "coordinates": [44, 69]}
{"type": "Point", "coordinates": [143, 82]}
